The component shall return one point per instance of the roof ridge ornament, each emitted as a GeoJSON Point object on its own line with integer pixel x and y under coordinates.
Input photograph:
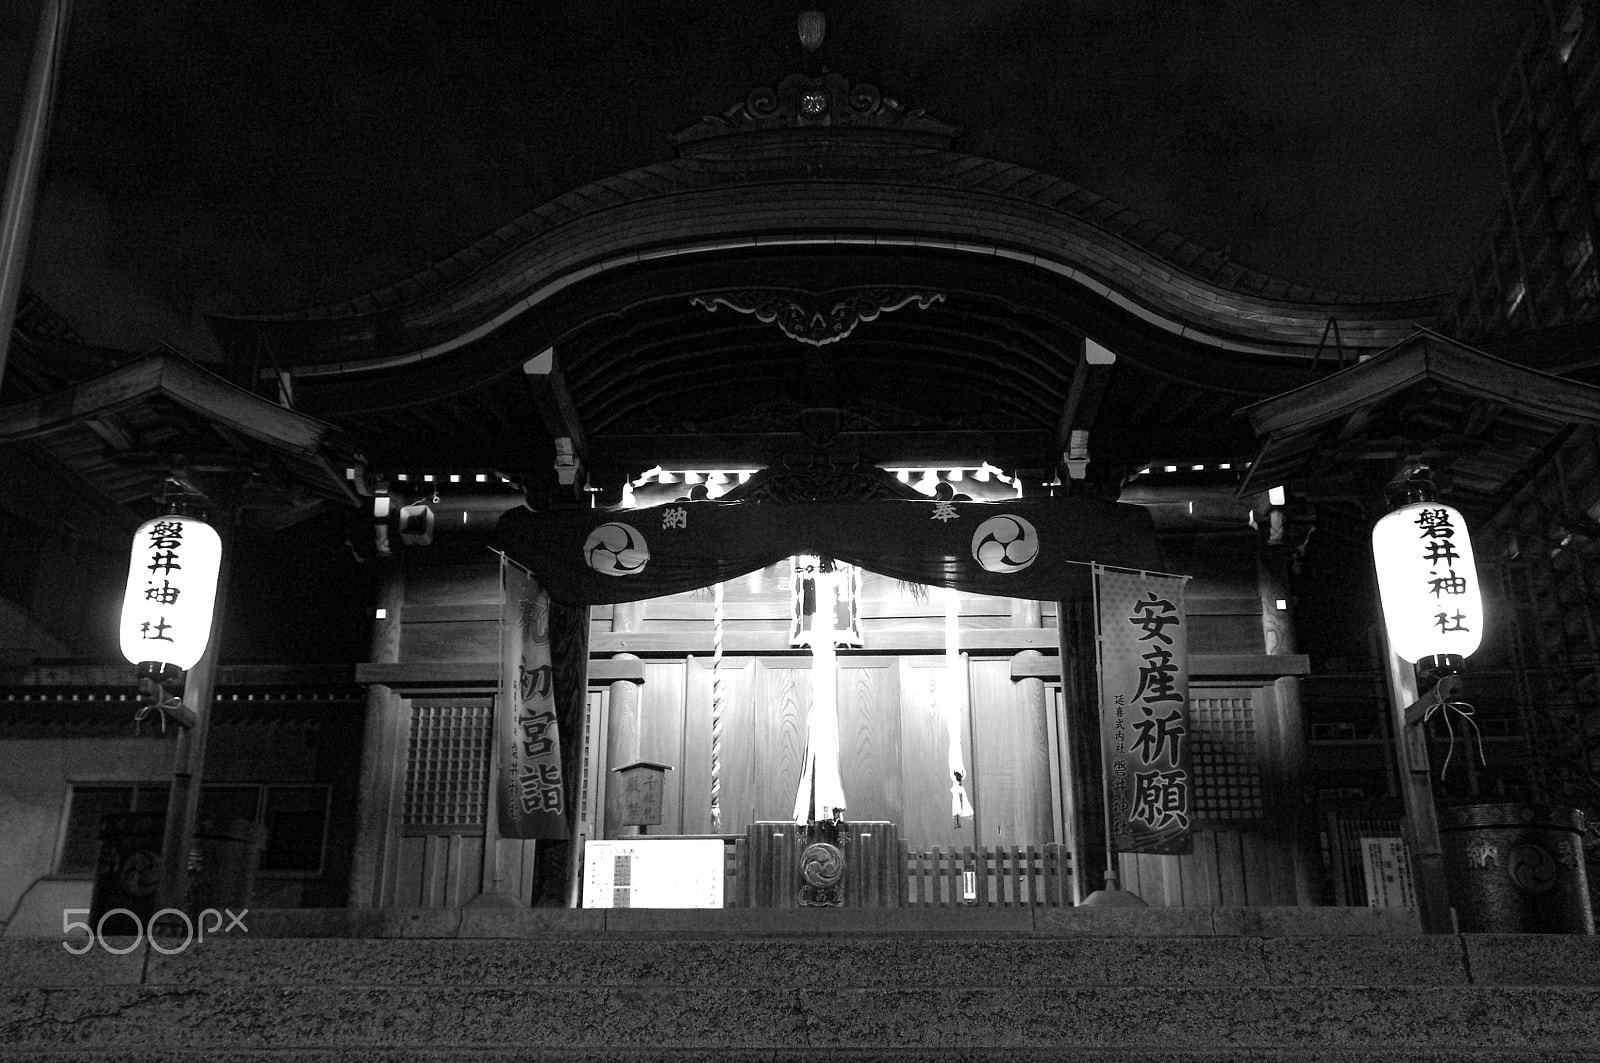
{"type": "Point", "coordinates": [804, 101]}
{"type": "Point", "coordinates": [813, 27]}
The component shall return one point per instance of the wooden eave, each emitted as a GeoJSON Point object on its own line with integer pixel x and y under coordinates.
{"type": "Point", "coordinates": [122, 433]}
{"type": "Point", "coordinates": [1479, 420]}
{"type": "Point", "coordinates": [897, 202]}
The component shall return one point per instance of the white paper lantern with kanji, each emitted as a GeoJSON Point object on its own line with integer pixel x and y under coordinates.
{"type": "Point", "coordinates": [172, 590]}
{"type": "Point", "coordinates": [1428, 580]}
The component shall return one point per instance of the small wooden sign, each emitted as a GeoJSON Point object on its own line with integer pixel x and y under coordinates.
{"type": "Point", "coordinates": [643, 783]}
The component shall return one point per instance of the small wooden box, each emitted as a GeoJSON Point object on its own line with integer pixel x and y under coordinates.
{"type": "Point", "coordinates": [643, 783]}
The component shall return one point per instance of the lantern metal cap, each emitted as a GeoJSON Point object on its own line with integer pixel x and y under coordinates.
{"type": "Point", "coordinates": [1416, 487]}
{"type": "Point", "coordinates": [1440, 665]}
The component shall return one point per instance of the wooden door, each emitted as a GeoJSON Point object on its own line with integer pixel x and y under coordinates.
{"type": "Point", "coordinates": [1246, 849]}
{"type": "Point", "coordinates": [444, 806]}
{"type": "Point", "coordinates": [894, 746]}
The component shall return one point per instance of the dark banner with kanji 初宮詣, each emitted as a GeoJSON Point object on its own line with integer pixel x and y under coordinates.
{"type": "Point", "coordinates": [1144, 711]}
{"type": "Point", "coordinates": [1037, 549]}
{"type": "Point", "coordinates": [532, 797]}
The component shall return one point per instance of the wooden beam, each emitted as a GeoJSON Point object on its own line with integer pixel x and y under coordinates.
{"type": "Point", "coordinates": [1005, 448]}
{"type": "Point", "coordinates": [205, 394]}
{"type": "Point", "coordinates": [430, 674]}
{"type": "Point", "coordinates": [549, 389]}
{"type": "Point", "coordinates": [480, 674]}
{"type": "Point", "coordinates": [1083, 395]}
{"type": "Point", "coordinates": [1201, 666]}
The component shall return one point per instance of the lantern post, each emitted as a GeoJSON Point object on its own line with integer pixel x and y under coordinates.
{"type": "Point", "coordinates": [169, 611]}
{"type": "Point", "coordinates": [1433, 620]}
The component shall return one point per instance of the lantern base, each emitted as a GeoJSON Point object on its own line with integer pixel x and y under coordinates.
{"type": "Point", "coordinates": [162, 686]}
{"type": "Point", "coordinates": [1441, 665]}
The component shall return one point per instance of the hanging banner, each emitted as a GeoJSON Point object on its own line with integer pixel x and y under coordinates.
{"type": "Point", "coordinates": [1036, 549]}
{"type": "Point", "coordinates": [531, 794]}
{"type": "Point", "coordinates": [1144, 711]}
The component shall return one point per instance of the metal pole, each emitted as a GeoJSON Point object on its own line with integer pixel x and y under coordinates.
{"type": "Point", "coordinates": [1416, 786]}
{"type": "Point", "coordinates": [183, 803]}
{"type": "Point", "coordinates": [27, 160]}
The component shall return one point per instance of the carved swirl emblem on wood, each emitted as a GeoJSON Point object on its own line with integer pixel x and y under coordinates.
{"type": "Point", "coordinates": [806, 321]}
{"type": "Point", "coordinates": [822, 866]}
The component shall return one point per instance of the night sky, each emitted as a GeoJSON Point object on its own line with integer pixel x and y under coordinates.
{"type": "Point", "coordinates": [259, 156]}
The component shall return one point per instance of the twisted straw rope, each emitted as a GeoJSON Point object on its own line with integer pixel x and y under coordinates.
{"type": "Point", "coordinates": [718, 693]}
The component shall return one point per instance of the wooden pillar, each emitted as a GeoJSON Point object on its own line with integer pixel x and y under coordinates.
{"type": "Point", "coordinates": [623, 720]}
{"type": "Point", "coordinates": [383, 752]}
{"type": "Point", "coordinates": [1272, 584]}
{"type": "Point", "coordinates": [1080, 732]}
{"type": "Point", "coordinates": [1292, 750]}
{"type": "Point", "coordinates": [1032, 700]}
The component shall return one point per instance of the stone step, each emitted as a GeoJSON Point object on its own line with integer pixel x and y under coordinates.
{"type": "Point", "coordinates": [567, 989]}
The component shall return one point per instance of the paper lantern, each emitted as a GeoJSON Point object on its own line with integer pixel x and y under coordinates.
{"type": "Point", "coordinates": [172, 590]}
{"type": "Point", "coordinates": [1428, 580]}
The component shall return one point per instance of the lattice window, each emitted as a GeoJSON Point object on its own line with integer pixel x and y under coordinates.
{"type": "Point", "coordinates": [447, 771]}
{"type": "Point", "coordinates": [1227, 759]}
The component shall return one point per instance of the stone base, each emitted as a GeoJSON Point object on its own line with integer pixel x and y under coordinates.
{"type": "Point", "coordinates": [1083, 984]}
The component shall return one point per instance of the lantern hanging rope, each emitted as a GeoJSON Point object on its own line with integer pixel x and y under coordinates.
{"type": "Point", "coordinates": [1445, 704]}
{"type": "Point", "coordinates": [718, 699]}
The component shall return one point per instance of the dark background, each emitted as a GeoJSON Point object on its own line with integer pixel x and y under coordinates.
{"type": "Point", "coordinates": [253, 156]}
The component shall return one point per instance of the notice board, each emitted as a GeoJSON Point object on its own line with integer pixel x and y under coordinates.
{"type": "Point", "coordinates": [653, 873]}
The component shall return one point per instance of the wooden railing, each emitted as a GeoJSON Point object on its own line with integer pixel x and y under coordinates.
{"type": "Point", "coordinates": [989, 877]}
{"type": "Point", "coordinates": [763, 872]}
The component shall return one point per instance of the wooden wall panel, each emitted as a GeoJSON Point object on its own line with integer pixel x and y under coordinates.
{"type": "Point", "coordinates": [869, 737]}
{"type": "Point", "coordinates": [1010, 759]}
{"type": "Point", "coordinates": [783, 698]}
{"type": "Point", "coordinates": [450, 641]}
{"type": "Point", "coordinates": [435, 869]}
{"type": "Point", "coordinates": [924, 814]}
{"type": "Point", "coordinates": [739, 768]}
{"type": "Point", "coordinates": [1232, 883]}
{"type": "Point", "coordinates": [434, 584]}
{"type": "Point", "coordinates": [661, 735]}
{"type": "Point", "coordinates": [406, 883]}
{"type": "Point", "coordinates": [446, 870]}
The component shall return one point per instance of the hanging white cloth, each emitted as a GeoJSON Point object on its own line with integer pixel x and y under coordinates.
{"type": "Point", "coordinates": [821, 789]}
{"type": "Point", "coordinates": [952, 696]}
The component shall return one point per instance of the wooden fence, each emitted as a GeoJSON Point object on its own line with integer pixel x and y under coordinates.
{"type": "Point", "coordinates": [989, 877]}
{"type": "Point", "coordinates": [764, 873]}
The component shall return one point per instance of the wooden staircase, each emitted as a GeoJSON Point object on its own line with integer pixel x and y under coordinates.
{"type": "Point", "coordinates": [903, 985]}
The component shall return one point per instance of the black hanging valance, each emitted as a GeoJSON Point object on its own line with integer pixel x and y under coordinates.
{"type": "Point", "coordinates": [1021, 549]}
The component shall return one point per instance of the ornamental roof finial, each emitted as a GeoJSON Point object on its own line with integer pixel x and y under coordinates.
{"type": "Point", "coordinates": [813, 26]}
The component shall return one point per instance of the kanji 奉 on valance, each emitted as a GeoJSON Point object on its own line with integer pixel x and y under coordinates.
{"type": "Point", "coordinates": [1036, 549]}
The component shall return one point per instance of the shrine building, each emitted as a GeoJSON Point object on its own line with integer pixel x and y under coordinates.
{"type": "Point", "coordinates": [744, 531]}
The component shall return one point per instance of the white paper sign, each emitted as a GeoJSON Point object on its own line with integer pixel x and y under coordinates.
{"type": "Point", "coordinates": [1387, 867]}
{"type": "Point", "coordinates": [653, 873]}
